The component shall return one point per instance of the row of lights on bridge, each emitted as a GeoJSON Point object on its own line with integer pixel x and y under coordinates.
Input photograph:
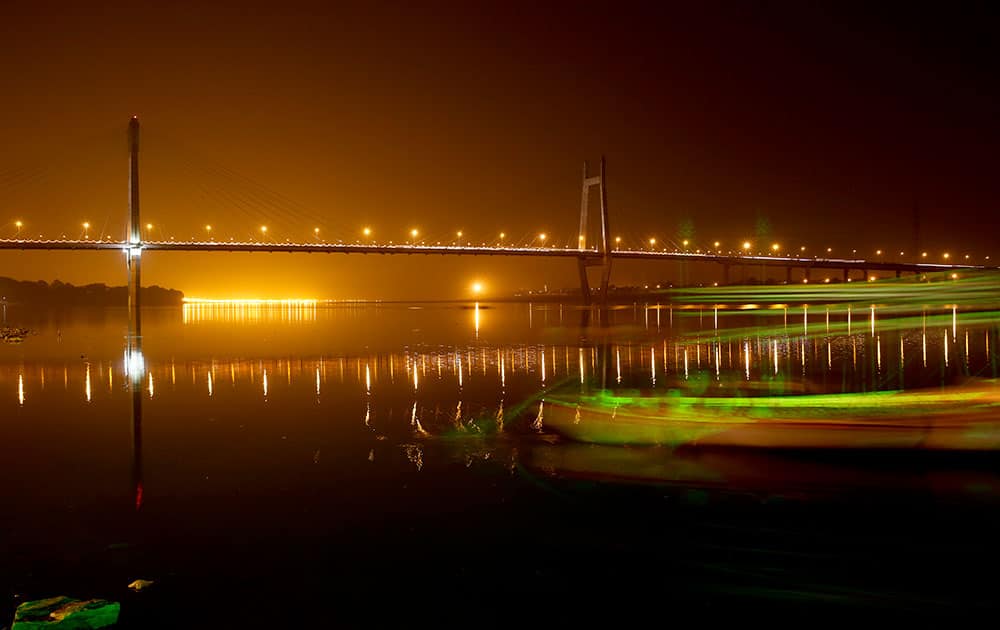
{"type": "Point", "coordinates": [414, 233]}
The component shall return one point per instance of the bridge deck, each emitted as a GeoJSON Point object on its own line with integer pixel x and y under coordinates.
{"type": "Point", "coordinates": [455, 250]}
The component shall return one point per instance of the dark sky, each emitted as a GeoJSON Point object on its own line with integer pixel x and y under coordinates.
{"type": "Point", "coordinates": [823, 124]}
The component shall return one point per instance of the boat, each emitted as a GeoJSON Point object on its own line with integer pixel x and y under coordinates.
{"type": "Point", "coordinates": [961, 417]}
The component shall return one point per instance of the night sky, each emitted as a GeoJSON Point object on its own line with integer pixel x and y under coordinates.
{"type": "Point", "coordinates": [800, 123]}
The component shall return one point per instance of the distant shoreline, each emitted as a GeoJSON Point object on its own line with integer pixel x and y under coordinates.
{"type": "Point", "coordinates": [58, 293]}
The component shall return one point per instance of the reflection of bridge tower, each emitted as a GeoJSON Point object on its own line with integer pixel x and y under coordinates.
{"type": "Point", "coordinates": [604, 244]}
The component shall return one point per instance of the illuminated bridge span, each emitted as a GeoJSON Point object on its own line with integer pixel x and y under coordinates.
{"type": "Point", "coordinates": [601, 254]}
{"type": "Point", "coordinates": [806, 262]}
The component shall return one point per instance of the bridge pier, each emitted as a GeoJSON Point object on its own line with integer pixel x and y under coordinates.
{"type": "Point", "coordinates": [584, 283]}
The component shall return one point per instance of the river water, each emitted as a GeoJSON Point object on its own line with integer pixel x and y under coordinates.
{"type": "Point", "coordinates": [260, 462]}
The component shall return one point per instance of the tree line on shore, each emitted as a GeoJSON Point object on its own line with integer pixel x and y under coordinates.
{"type": "Point", "coordinates": [60, 293]}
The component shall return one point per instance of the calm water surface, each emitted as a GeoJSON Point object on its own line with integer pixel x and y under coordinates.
{"type": "Point", "coordinates": [370, 455]}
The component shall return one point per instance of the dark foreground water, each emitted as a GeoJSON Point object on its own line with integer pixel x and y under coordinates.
{"type": "Point", "coordinates": [270, 464]}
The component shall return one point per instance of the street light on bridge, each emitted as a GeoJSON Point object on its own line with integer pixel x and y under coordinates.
{"type": "Point", "coordinates": [618, 242]}
{"type": "Point", "coordinates": [367, 231]}
{"type": "Point", "coordinates": [86, 230]}
{"type": "Point", "coordinates": [18, 225]}
{"type": "Point", "coordinates": [746, 246]}
{"type": "Point", "coordinates": [208, 231]}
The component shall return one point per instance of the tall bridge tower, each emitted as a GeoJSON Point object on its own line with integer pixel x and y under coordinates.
{"type": "Point", "coordinates": [134, 251]}
{"type": "Point", "coordinates": [603, 260]}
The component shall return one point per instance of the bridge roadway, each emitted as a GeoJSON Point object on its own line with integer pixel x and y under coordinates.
{"type": "Point", "coordinates": [728, 260]}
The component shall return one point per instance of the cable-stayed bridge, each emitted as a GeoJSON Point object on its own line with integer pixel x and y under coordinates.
{"type": "Point", "coordinates": [601, 254]}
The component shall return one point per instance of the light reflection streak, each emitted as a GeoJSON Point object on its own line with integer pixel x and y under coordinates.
{"type": "Point", "coordinates": [543, 366]}
{"type": "Point", "coordinates": [20, 389]}
{"type": "Point", "coordinates": [946, 348]}
{"type": "Point", "coordinates": [652, 364]}
{"type": "Point", "coordinates": [746, 353]}
{"type": "Point", "coordinates": [150, 387]}
{"type": "Point", "coordinates": [923, 343]}
{"type": "Point", "coordinates": [86, 384]}
{"type": "Point", "coordinates": [618, 363]}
